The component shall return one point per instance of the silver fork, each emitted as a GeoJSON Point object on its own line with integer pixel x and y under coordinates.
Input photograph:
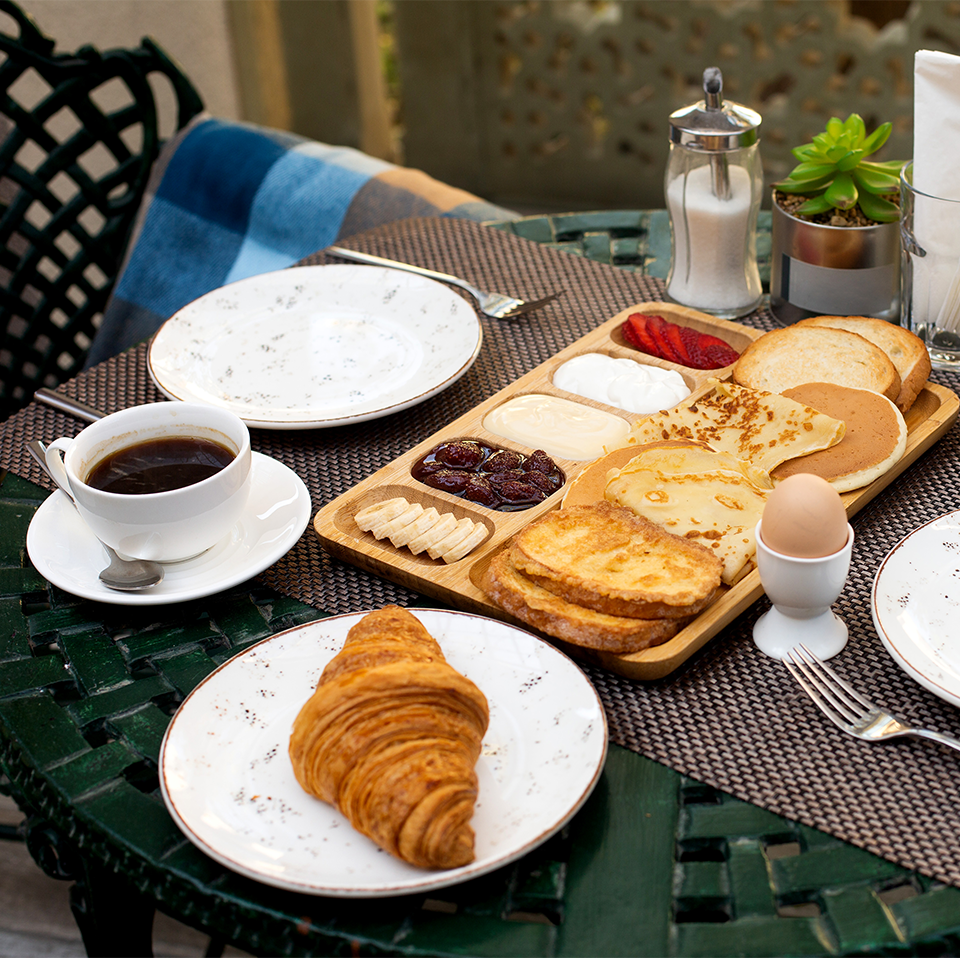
{"type": "Point", "coordinates": [847, 708]}
{"type": "Point", "coordinates": [497, 305]}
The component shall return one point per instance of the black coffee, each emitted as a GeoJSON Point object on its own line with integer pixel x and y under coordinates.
{"type": "Point", "coordinates": [159, 465]}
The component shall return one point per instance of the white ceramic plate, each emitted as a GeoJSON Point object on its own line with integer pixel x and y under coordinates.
{"type": "Point", "coordinates": [916, 605]}
{"type": "Point", "coordinates": [65, 552]}
{"type": "Point", "coordinates": [228, 783]}
{"type": "Point", "coordinates": [316, 346]}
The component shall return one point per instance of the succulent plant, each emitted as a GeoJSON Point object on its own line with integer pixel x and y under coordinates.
{"type": "Point", "coordinates": [834, 169]}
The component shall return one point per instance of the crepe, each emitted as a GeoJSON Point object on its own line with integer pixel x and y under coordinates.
{"type": "Point", "coordinates": [390, 737]}
{"type": "Point", "coordinates": [698, 493]}
{"type": "Point", "coordinates": [763, 429]}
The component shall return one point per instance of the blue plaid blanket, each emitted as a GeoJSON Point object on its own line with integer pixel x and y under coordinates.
{"type": "Point", "coordinates": [230, 200]}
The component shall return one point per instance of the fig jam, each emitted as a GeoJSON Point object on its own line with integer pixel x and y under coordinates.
{"type": "Point", "coordinates": [497, 478]}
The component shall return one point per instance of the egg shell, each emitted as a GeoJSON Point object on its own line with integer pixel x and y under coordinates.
{"type": "Point", "coordinates": [804, 517]}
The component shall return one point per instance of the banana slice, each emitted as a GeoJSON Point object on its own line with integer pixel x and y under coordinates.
{"type": "Point", "coordinates": [423, 523]}
{"type": "Point", "coordinates": [460, 532]}
{"type": "Point", "coordinates": [418, 529]}
{"type": "Point", "coordinates": [379, 512]}
{"type": "Point", "coordinates": [474, 539]}
{"type": "Point", "coordinates": [441, 527]}
{"type": "Point", "coordinates": [387, 529]}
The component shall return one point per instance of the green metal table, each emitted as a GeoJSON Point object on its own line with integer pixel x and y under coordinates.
{"type": "Point", "coordinates": [654, 864]}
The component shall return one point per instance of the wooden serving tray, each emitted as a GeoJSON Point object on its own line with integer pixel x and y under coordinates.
{"type": "Point", "coordinates": [930, 417]}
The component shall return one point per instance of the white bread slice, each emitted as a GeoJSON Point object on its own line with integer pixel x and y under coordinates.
{"type": "Point", "coordinates": [906, 350]}
{"type": "Point", "coordinates": [816, 354]}
{"type": "Point", "coordinates": [875, 440]}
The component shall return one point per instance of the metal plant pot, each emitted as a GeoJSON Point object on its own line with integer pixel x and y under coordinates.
{"type": "Point", "coordinates": [818, 270]}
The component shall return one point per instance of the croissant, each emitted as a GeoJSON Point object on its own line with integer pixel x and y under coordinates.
{"type": "Point", "coordinates": [390, 737]}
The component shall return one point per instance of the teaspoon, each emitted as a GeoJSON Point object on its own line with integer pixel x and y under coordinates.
{"type": "Point", "coordinates": [122, 575]}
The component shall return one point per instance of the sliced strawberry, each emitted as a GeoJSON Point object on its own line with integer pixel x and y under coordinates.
{"type": "Point", "coordinates": [691, 340]}
{"type": "Point", "coordinates": [712, 353]}
{"type": "Point", "coordinates": [673, 335]}
{"type": "Point", "coordinates": [636, 331]}
{"type": "Point", "coordinates": [721, 355]}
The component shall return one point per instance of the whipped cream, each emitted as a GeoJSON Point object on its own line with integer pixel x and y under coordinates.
{"type": "Point", "coordinates": [623, 383]}
{"type": "Point", "coordinates": [560, 427]}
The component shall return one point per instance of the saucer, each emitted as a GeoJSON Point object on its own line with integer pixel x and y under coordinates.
{"type": "Point", "coordinates": [65, 552]}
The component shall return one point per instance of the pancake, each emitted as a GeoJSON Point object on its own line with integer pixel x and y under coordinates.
{"type": "Point", "coordinates": [874, 441]}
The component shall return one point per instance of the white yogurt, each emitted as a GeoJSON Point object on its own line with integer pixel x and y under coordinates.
{"type": "Point", "coordinates": [622, 382]}
{"type": "Point", "coordinates": [560, 427]}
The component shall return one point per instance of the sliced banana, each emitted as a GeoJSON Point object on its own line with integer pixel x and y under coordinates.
{"type": "Point", "coordinates": [386, 530]}
{"type": "Point", "coordinates": [444, 524]}
{"type": "Point", "coordinates": [423, 523]}
{"type": "Point", "coordinates": [474, 539]}
{"type": "Point", "coordinates": [379, 512]}
{"type": "Point", "coordinates": [409, 525]}
{"type": "Point", "coordinates": [460, 532]}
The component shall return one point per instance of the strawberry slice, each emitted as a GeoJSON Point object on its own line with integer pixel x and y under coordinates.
{"type": "Point", "coordinates": [712, 353]}
{"type": "Point", "coordinates": [679, 344]}
{"type": "Point", "coordinates": [637, 332]}
{"type": "Point", "coordinates": [674, 334]}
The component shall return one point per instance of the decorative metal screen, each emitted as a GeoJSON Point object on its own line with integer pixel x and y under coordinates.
{"type": "Point", "coordinates": [563, 104]}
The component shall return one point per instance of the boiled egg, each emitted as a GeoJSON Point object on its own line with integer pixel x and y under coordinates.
{"type": "Point", "coordinates": [804, 518]}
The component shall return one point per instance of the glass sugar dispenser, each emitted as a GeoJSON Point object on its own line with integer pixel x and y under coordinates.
{"type": "Point", "coordinates": [713, 187]}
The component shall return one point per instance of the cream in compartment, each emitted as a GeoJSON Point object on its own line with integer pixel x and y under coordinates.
{"type": "Point", "coordinates": [624, 383]}
{"type": "Point", "coordinates": [560, 427]}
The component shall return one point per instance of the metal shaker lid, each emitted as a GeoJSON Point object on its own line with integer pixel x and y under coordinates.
{"type": "Point", "coordinates": [712, 126]}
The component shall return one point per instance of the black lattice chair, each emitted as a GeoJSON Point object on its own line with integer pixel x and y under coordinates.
{"type": "Point", "coordinates": [78, 135]}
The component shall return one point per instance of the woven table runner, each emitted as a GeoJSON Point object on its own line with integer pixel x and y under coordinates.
{"type": "Point", "coordinates": [730, 717]}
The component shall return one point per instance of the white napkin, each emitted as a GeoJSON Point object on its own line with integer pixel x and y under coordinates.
{"type": "Point", "coordinates": [936, 123]}
{"type": "Point", "coordinates": [936, 145]}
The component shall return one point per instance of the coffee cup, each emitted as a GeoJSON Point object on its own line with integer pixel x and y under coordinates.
{"type": "Point", "coordinates": [125, 473]}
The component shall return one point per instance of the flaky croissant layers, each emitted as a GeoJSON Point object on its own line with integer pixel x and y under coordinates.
{"type": "Point", "coordinates": [390, 737]}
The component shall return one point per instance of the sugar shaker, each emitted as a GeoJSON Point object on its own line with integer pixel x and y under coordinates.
{"type": "Point", "coordinates": [713, 187]}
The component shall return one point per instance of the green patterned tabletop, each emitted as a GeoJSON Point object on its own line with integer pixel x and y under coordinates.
{"type": "Point", "coordinates": [654, 864]}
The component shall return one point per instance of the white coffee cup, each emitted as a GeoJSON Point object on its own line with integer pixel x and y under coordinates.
{"type": "Point", "coordinates": [163, 526]}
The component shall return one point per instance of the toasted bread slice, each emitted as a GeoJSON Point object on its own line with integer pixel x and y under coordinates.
{"type": "Point", "coordinates": [800, 354]}
{"type": "Point", "coordinates": [907, 351]}
{"type": "Point", "coordinates": [875, 440]}
{"type": "Point", "coordinates": [549, 613]}
{"type": "Point", "coordinates": [606, 558]}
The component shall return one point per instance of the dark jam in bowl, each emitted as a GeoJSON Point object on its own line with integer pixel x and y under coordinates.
{"type": "Point", "coordinates": [159, 465]}
{"type": "Point", "coordinates": [497, 478]}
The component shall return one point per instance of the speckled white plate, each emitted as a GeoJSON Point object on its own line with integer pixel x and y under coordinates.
{"type": "Point", "coordinates": [228, 783]}
{"type": "Point", "coordinates": [916, 605]}
{"type": "Point", "coordinates": [65, 552]}
{"type": "Point", "coordinates": [316, 346]}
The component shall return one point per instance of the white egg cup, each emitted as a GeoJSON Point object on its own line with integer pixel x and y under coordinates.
{"type": "Point", "coordinates": [802, 591]}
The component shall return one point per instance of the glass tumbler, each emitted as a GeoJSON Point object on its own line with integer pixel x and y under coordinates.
{"type": "Point", "coordinates": [930, 270]}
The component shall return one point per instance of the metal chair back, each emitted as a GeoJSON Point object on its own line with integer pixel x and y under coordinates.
{"type": "Point", "coordinates": [78, 135]}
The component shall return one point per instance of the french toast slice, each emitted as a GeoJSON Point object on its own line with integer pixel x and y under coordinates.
{"type": "Point", "coordinates": [554, 616]}
{"type": "Point", "coordinates": [606, 558]}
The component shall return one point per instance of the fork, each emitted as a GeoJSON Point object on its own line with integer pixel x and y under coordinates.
{"type": "Point", "coordinates": [847, 708]}
{"type": "Point", "coordinates": [496, 305]}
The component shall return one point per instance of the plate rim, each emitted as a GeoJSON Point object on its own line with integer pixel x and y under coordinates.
{"type": "Point", "coordinates": [144, 599]}
{"type": "Point", "coordinates": [908, 667]}
{"type": "Point", "coordinates": [325, 422]}
{"type": "Point", "coordinates": [432, 880]}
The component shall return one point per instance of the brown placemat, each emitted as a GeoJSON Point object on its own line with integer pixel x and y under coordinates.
{"type": "Point", "coordinates": [731, 717]}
